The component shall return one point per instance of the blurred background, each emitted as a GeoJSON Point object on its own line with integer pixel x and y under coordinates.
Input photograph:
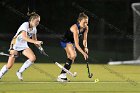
{"type": "Point", "coordinates": [110, 35]}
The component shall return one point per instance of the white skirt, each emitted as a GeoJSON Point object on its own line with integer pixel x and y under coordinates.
{"type": "Point", "coordinates": [20, 48]}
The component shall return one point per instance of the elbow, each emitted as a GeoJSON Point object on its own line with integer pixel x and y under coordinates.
{"type": "Point", "coordinates": [76, 45]}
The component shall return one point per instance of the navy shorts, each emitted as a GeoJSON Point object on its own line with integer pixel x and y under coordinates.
{"type": "Point", "coordinates": [63, 44]}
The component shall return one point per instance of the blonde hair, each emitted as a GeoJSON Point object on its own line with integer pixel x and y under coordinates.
{"type": "Point", "coordinates": [82, 16]}
{"type": "Point", "coordinates": [32, 15]}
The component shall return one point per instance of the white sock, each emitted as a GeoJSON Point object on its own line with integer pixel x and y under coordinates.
{"type": "Point", "coordinates": [26, 64]}
{"type": "Point", "coordinates": [3, 70]}
{"type": "Point", "coordinates": [63, 75]}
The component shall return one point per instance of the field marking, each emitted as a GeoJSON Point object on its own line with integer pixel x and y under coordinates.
{"type": "Point", "coordinates": [45, 82]}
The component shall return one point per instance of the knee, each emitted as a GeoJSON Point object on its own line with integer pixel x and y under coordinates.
{"type": "Point", "coordinates": [32, 58]}
{"type": "Point", "coordinates": [73, 57]}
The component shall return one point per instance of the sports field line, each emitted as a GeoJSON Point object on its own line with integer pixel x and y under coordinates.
{"type": "Point", "coordinates": [45, 82]}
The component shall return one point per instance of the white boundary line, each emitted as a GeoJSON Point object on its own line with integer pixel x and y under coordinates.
{"type": "Point", "coordinates": [134, 9]}
{"type": "Point", "coordinates": [32, 82]}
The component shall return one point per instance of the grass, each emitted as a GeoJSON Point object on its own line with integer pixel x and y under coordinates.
{"type": "Point", "coordinates": [41, 78]}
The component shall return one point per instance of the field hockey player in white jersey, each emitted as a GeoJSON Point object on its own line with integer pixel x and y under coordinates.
{"type": "Point", "coordinates": [26, 33]}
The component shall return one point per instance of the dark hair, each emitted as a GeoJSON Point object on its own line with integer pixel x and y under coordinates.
{"type": "Point", "coordinates": [82, 16]}
{"type": "Point", "coordinates": [32, 15]}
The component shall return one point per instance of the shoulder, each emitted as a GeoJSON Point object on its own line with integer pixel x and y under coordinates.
{"type": "Point", "coordinates": [25, 24]}
{"type": "Point", "coordinates": [86, 29]}
{"type": "Point", "coordinates": [74, 28]}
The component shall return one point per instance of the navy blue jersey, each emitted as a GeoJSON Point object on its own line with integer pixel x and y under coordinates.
{"type": "Point", "coordinates": [68, 36]}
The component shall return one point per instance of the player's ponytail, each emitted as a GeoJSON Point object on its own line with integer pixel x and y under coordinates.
{"type": "Point", "coordinates": [32, 15]}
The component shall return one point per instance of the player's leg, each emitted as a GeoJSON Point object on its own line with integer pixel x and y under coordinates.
{"type": "Point", "coordinates": [71, 55]}
{"type": "Point", "coordinates": [62, 77]}
{"type": "Point", "coordinates": [31, 58]}
{"type": "Point", "coordinates": [10, 63]}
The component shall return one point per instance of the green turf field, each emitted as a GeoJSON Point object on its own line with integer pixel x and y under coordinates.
{"type": "Point", "coordinates": [41, 78]}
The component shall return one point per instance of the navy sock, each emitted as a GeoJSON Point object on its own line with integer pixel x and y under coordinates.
{"type": "Point", "coordinates": [67, 65]}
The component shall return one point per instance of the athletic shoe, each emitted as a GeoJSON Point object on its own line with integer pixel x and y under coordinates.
{"type": "Point", "coordinates": [59, 79]}
{"type": "Point", "coordinates": [1, 75]}
{"type": "Point", "coordinates": [19, 75]}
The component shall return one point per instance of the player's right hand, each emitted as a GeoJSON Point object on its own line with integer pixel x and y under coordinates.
{"type": "Point", "coordinates": [85, 56]}
{"type": "Point", "coordinates": [38, 42]}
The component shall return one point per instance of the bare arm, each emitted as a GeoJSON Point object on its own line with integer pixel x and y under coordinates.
{"type": "Point", "coordinates": [74, 29]}
{"type": "Point", "coordinates": [85, 40]}
{"type": "Point", "coordinates": [34, 37]}
{"type": "Point", "coordinates": [26, 38]}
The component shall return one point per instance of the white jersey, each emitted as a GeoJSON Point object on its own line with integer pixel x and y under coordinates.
{"type": "Point", "coordinates": [19, 43]}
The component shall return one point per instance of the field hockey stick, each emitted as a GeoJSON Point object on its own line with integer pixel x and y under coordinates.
{"type": "Point", "coordinates": [4, 54]}
{"type": "Point", "coordinates": [67, 71]}
{"type": "Point", "coordinates": [89, 74]}
{"type": "Point", "coordinates": [59, 65]}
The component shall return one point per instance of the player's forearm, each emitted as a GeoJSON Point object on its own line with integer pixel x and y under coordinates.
{"type": "Point", "coordinates": [77, 45]}
{"type": "Point", "coordinates": [79, 48]}
{"type": "Point", "coordinates": [35, 38]}
{"type": "Point", "coordinates": [85, 43]}
{"type": "Point", "coordinates": [29, 40]}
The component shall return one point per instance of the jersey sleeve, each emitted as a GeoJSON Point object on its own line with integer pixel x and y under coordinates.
{"type": "Point", "coordinates": [24, 27]}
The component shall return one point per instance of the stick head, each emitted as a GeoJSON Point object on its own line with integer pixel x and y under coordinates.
{"type": "Point", "coordinates": [90, 75]}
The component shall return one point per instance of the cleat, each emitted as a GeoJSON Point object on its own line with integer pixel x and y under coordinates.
{"type": "Point", "coordinates": [1, 74]}
{"type": "Point", "coordinates": [59, 79]}
{"type": "Point", "coordinates": [19, 75]}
